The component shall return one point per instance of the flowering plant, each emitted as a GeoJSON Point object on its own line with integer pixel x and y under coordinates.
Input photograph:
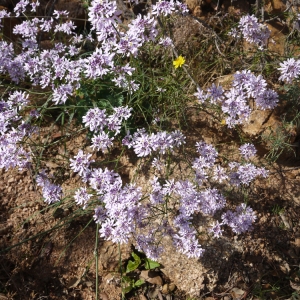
{"type": "Point", "coordinates": [129, 113]}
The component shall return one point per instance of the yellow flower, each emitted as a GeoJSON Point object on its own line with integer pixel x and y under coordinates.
{"type": "Point", "coordinates": [178, 62]}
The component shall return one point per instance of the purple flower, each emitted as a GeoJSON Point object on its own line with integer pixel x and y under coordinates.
{"type": "Point", "coordinates": [143, 27]}
{"type": "Point", "coordinates": [290, 69]}
{"type": "Point", "coordinates": [210, 201]}
{"type": "Point", "coordinates": [82, 197]}
{"type": "Point", "coordinates": [255, 86]}
{"type": "Point", "coordinates": [235, 105]}
{"type": "Point", "coordinates": [241, 220]}
{"type": "Point", "coordinates": [81, 163]}
{"type": "Point", "coordinates": [98, 63]}
{"type": "Point", "coordinates": [189, 199]}
{"type": "Point", "coordinates": [166, 42]}
{"type": "Point", "coordinates": [100, 214]}
{"type": "Point", "coordinates": [254, 32]}
{"type": "Point", "coordinates": [129, 45]}
{"type": "Point", "coordinates": [102, 141]}
{"type": "Point", "coordinates": [104, 181]}
{"type": "Point", "coordinates": [67, 27]}
{"type": "Point", "coordinates": [27, 28]}
{"type": "Point", "coordinates": [208, 152]}
{"type": "Point", "coordinates": [148, 245]}
{"type": "Point", "coordinates": [178, 138]}
{"type": "Point", "coordinates": [115, 120]}
{"type": "Point", "coordinates": [95, 119]}
{"type": "Point", "coordinates": [248, 150]}
{"type": "Point", "coordinates": [52, 193]}
{"type": "Point", "coordinates": [60, 13]}
{"type": "Point", "coordinates": [267, 100]}
{"type": "Point", "coordinates": [20, 7]}
{"type": "Point", "coordinates": [185, 240]}
{"type": "Point", "coordinates": [34, 5]}
{"type": "Point", "coordinates": [142, 144]}
{"type": "Point", "coordinates": [164, 8]}
{"type": "Point", "coordinates": [219, 174]}
{"type": "Point", "coordinates": [216, 229]}
{"type": "Point", "coordinates": [246, 173]}
{"type": "Point", "coordinates": [3, 14]}
{"type": "Point", "coordinates": [188, 244]}
{"type": "Point", "coordinates": [157, 194]}
{"type": "Point", "coordinates": [157, 164]}
{"type": "Point", "coordinates": [215, 93]}
{"type": "Point", "coordinates": [61, 93]}
{"type": "Point", "coordinates": [200, 95]}
{"type": "Point", "coordinates": [46, 25]}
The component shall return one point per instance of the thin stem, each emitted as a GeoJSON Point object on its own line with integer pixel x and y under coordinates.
{"type": "Point", "coordinates": [121, 270]}
{"type": "Point", "coordinates": [96, 258]}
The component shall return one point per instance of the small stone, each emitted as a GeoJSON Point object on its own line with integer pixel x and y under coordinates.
{"type": "Point", "coordinates": [151, 277]}
{"type": "Point", "coordinates": [237, 293]}
{"type": "Point", "coordinates": [51, 165]}
{"type": "Point", "coordinates": [10, 180]}
{"type": "Point", "coordinates": [153, 293]}
{"type": "Point", "coordinates": [165, 289]}
{"type": "Point", "coordinates": [142, 297]}
{"type": "Point", "coordinates": [103, 296]}
{"type": "Point", "coordinates": [73, 283]}
{"type": "Point", "coordinates": [168, 288]}
{"type": "Point", "coordinates": [172, 287]}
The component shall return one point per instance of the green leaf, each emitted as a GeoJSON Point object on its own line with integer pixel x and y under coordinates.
{"type": "Point", "coordinates": [136, 257]}
{"type": "Point", "coordinates": [126, 279]}
{"type": "Point", "coordinates": [139, 283]}
{"type": "Point", "coordinates": [151, 264]}
{"type": "Point", "coordinates": [132, 265]}
{"type": "Point", "coordinates": [128, 289]}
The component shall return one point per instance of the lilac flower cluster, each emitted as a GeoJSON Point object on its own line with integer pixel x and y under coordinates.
{"type": "Point", "coordinates": [80, 164]}
{"type": "Point", "coordinates": [56, 68]}
{"type": "Point", "coordinates": [254, 32]}
{"type": "Point", "coordinates": [98, 121]}
{"type": "Point", "coordinates": [144, 144]}
{"type": "Point", "coordinates": [82, 197]}
{"type": "Point", "coordinates": [248, 151]}
{"type": "Point", "coordinates": [122, 210]}
{"type": "Point", "coordinates": [205, 166]}
{"type": "Point", "coordinates": [245, 174]}
{"type": "Point", "coordinates": [290, 69]}
{"type": "Point", "coordinates": [166, 8]}
{"type": "Point", "coordinates": [241, 220]}
{"type": "Point", "coordinates": [119, 209]}
{"type": "Point", "coordinates": [51, 192]}
{"type": "Point", "coordinates": [206, 160]}
{"type": "Point", "coordinates": [148, 244]}
{"type": "Point", "coordinates": [123, 215]}
{"type": "Point", "coordinates": [234, 102]}
{"type": "Point", "coordinates": [12, 154]}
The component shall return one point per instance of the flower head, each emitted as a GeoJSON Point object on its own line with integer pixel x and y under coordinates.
{"type": "Point", "coordinates": [178, 62]}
